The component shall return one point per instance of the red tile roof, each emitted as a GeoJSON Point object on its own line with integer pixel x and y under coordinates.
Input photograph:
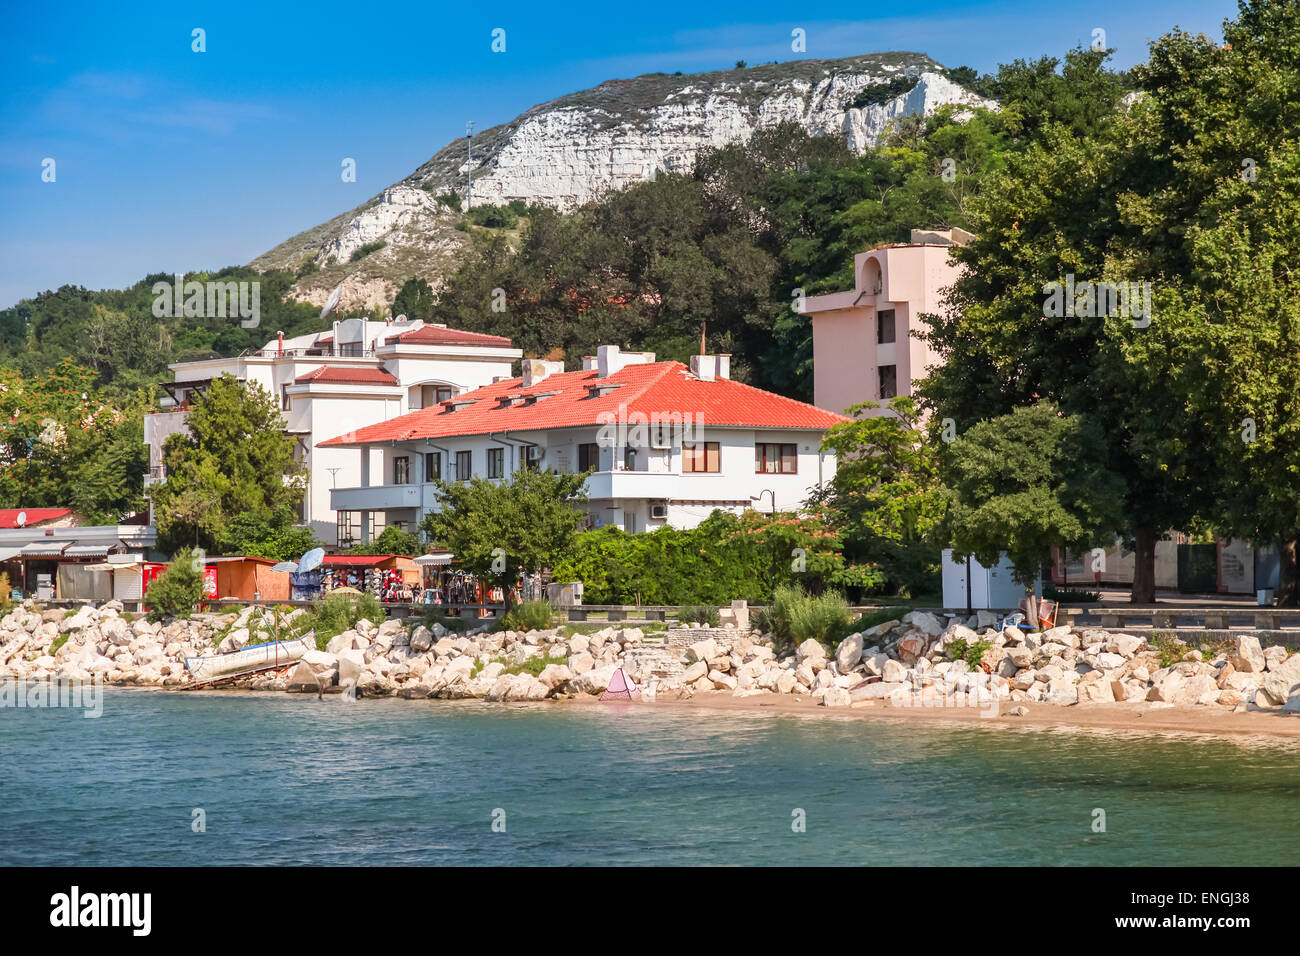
{"type": "Point", "coordinates": [356, 560]}
{"type": "Point", "coordinates": [348, 376]}
{"type": "Point", "coordinates": [9, 516]}
{"type": "Point", "coordinates": [438, 335]}
{"type": "Point", "coordinates": [658, 389]}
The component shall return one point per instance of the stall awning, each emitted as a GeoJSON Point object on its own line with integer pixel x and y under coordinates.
{"type": "Point", "coordinates": [43, 549]}
{"type": "Point", "coordinates": [7, 553]}
{"type": "Point", "coordinates": [86, 551]}
{"type": "Point", "coordinates": [438, 559]}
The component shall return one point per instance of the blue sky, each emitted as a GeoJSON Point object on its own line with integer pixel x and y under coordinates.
{"type": "Point", "coordinates": [169, 160]}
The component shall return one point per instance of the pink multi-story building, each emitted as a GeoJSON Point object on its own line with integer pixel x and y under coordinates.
{"type": "Point", "coordinates": [862, 347]}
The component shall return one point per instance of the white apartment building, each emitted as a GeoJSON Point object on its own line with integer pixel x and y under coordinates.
{"type": "Point", "coordinates": [667, 444]}
{"type": "Point", "coordinates": [356, 374]}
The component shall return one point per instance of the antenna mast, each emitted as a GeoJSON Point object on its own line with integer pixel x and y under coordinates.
{"type": "Point", "coordinates": [469, 166]}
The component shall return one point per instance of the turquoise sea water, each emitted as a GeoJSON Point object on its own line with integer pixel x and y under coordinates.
{"type": "Point", "coordinates": [296, 780]}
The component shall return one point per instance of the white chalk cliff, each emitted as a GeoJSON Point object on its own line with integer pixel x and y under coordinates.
{"type": "Point", "coordinates": [570, 150]}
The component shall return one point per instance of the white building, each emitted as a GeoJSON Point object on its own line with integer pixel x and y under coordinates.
{"type": "Point", "coordinates": [667, 444]}
{"type": "Point", "coordinates": [356, 374]}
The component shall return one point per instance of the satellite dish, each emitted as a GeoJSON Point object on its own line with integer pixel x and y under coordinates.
{"type": "Point", "coordinates": [333, 302]}
{"type": "Point", "coordinates": [22, 518]}
{"type": "Point", "coordinates": [311, 560]}
{"type": "Point", "coordinates": [400, 318]}
{"type": "Point", "coordinates": [290, 566]}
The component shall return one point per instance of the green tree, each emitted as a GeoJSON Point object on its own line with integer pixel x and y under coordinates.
{"type": "Point", "coordinates": [234, 459]}
{"type": "Point", "coordinates": [63, 444]}
{"type": "Point", "coordinates": [1215, 212]}
{"type": "Point", "coordinates": [414, 300]}
{"type": "Point", "coordinates": [500, 530]}
{"type": "Point", "coordinates": [886, 497]}
{"type": "Point", "coordinates": [1028, 482]}
{"type": "Point", "coordinates": [175, 592]}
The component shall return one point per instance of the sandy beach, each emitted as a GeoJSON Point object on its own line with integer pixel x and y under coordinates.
{"type": "Point", "coordinates": [1141, 717]}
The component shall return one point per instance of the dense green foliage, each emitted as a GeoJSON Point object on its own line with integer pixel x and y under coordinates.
{"type": "Point", "coordinates": [175, 592]}
{"type": "Point", "coordinates": [63, 445]}
{"type": "Point", "coordinates": [725, 558]}
{"type": "Point", "coordinates": [115, 334]}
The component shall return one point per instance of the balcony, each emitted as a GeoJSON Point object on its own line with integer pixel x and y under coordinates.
{"type": "Point", "coordinates": [637, 484]}
{"type": "Point", "coordinates": [382, 497]}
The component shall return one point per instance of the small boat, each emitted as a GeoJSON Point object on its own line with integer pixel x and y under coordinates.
{"type": "Point", "coordinates": [254, 658]}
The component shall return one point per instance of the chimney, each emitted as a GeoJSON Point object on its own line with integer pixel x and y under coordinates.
{"type": "Point", "coordinates": [589, 363]}
{"type": "Point", "coordinates": [709, 367]}
{"type": "Point", "coordinates": [609, 360]}
{"type": "Point", "coordinates": [279, 338]}
{"type": "Point", "coordinates": [535, 370]}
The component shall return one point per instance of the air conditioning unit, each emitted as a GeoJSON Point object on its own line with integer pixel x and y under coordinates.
{"type": "Point", "coordinates": [658, 512]}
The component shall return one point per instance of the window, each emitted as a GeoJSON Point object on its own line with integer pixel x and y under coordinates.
{"type": "Point", "coordinates": [885, 327]}
{"type": "Point", "coordinates": [701, 457]}
{"type": "Point", "coordinates": [464, 465]}
{"type": "Point", "coordinates": [432, 466]}
{"type": "Point", "coordinates": [589, 457]}
{"type": "Point", "coordinates": [286, 403]}
{"type": "Point", "coordinates": [496, 462]}
{"type": "Point", "coordinates": [401, 470]}
{"type": "Point", "coordinates": [431, 395]}
{"type": "Point", "coordinates": [629, 458]}
{"type": "Point", "coordinates": [774, 459]}
{"type": "Point", "coordinates": [349, 528]}
{"type": "Point", "coordinates": [888, 381]}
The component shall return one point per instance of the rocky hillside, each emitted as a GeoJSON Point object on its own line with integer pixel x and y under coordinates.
{"type": "Point", "coordinates": [569, 150]}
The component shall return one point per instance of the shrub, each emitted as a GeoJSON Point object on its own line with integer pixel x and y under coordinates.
{"type": "Point", "coordinates": [337, 613]}
{"type": "Point", "coordinates": [493, 217]}
{"type": "Point", "coordinates": [364, 250]}
{"type": "Point", "coordinates": [972, 654]}
{"type": "Point", "coordinates": [6, 602]}
{"type": "Point", "coordinates": [528, 616]}
{"type": "Point", "coordinates": [58, 642]}
{"type": "Point", "coordinates": [175, 592]}
{"type": "Point", "coordinates": [794, 616]}
{"type": "Point", "coordinates": [1169, 647]}
{"type": "Point", "coordinates": [698, 614]}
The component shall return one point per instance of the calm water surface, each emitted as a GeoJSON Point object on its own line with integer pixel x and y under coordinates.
{"type": "Point", "coordinates": [294, 780]}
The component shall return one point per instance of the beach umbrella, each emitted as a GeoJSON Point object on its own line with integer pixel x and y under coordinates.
{"type": "Point", "coordinates": [289, 566]}
{"type": "Point", "coordinates": [311, 560]}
